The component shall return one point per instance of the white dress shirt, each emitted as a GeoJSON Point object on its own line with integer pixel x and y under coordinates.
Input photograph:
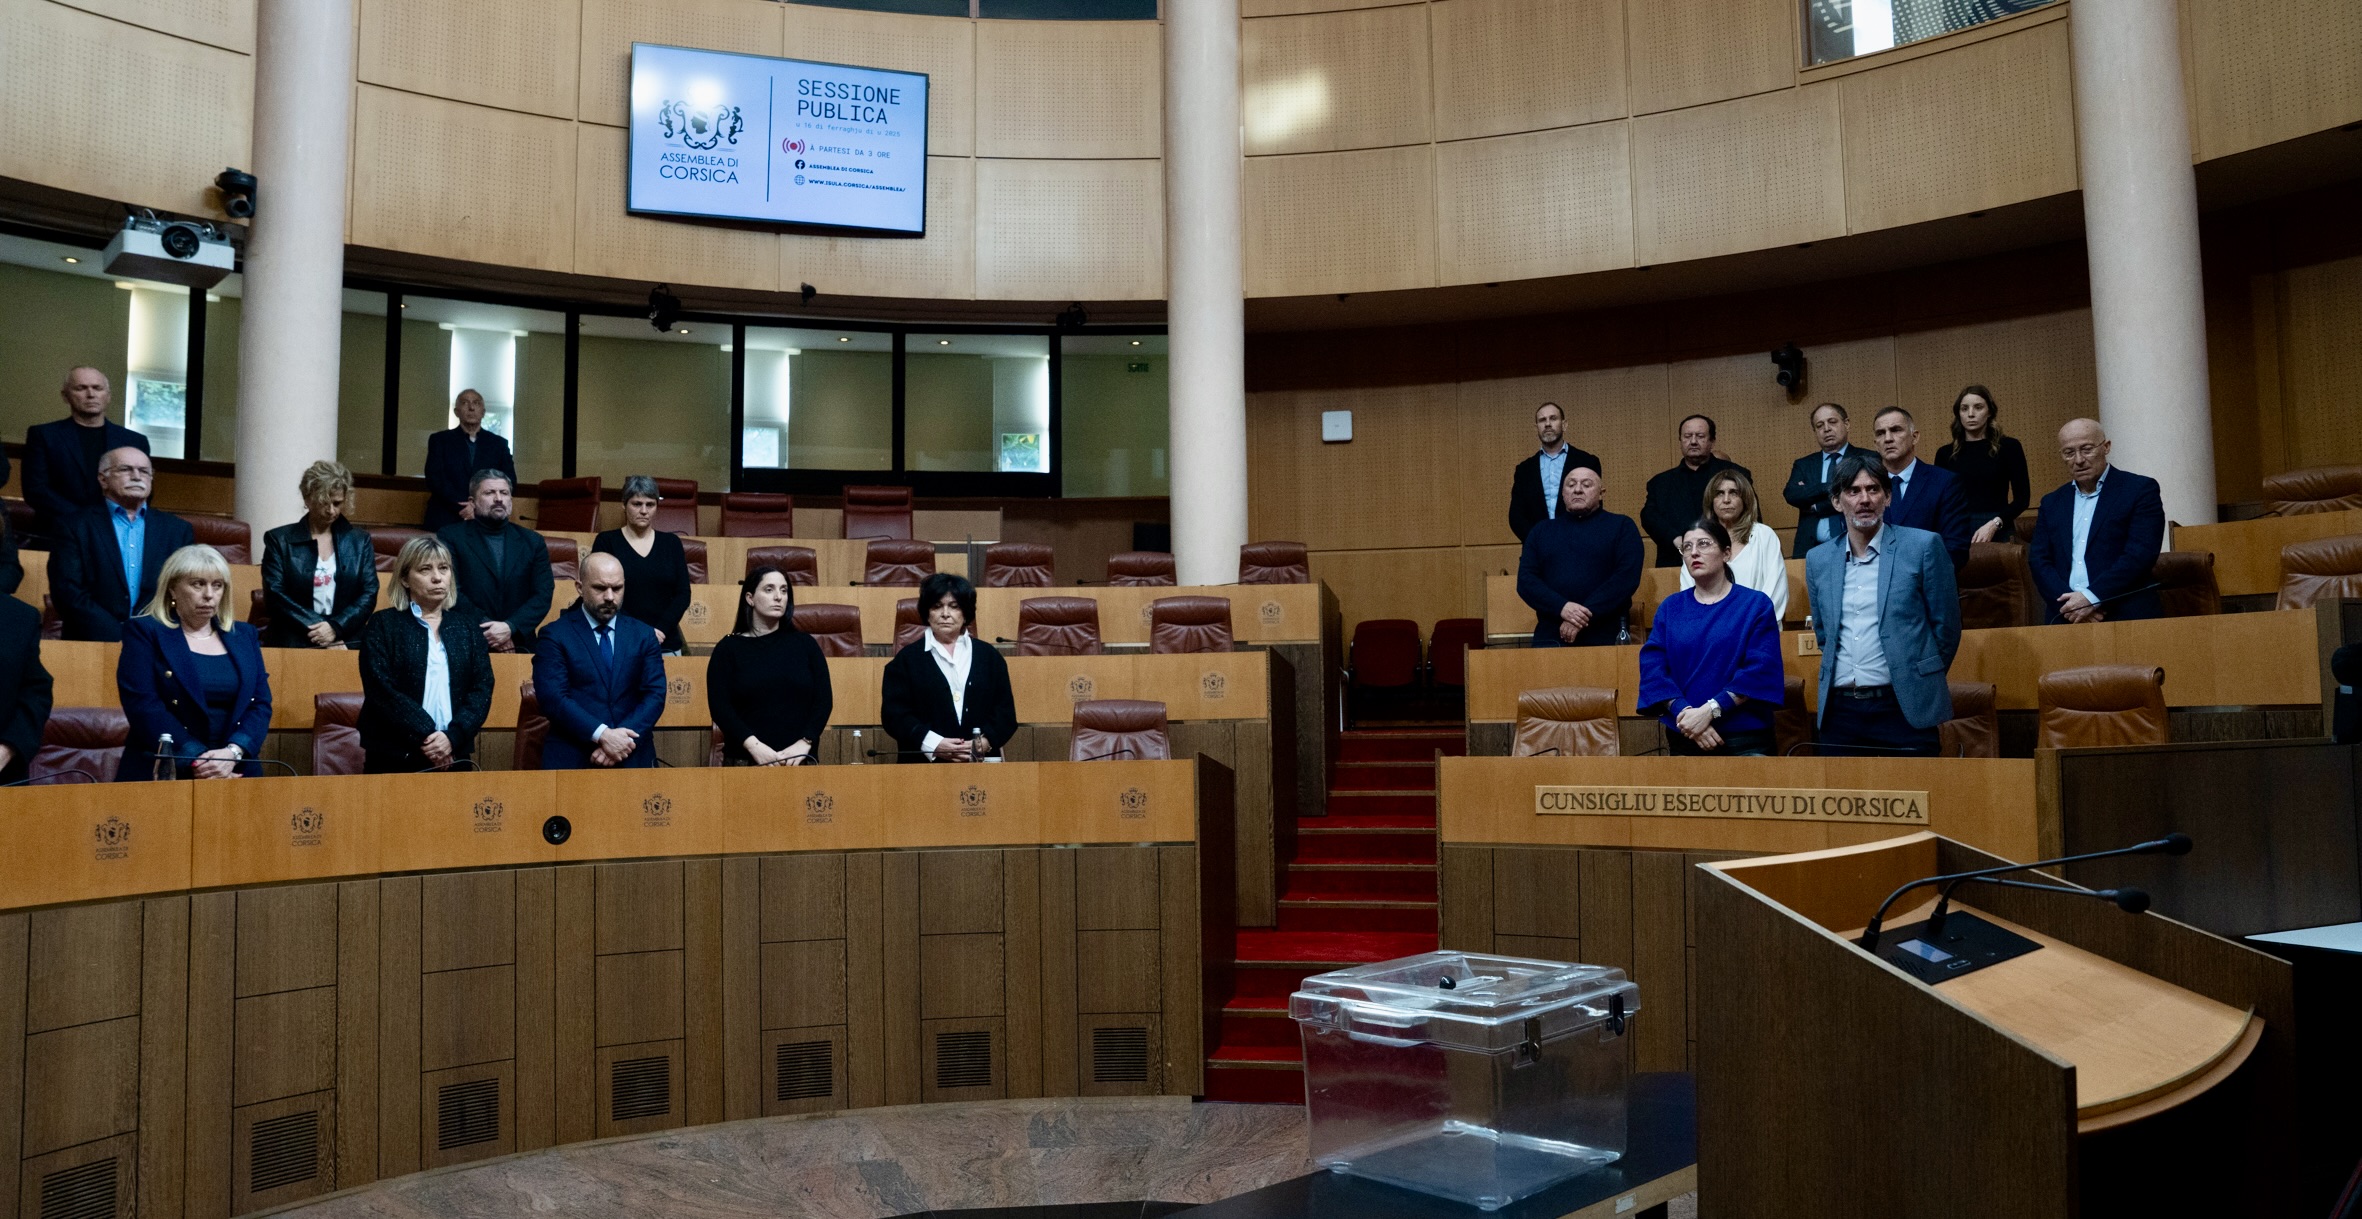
{"type": "Point", "coordinates": [954, 662]}
{"type": "Point", "coordinates": [1758, 565]}
{"type": "Point", "coordinates": [1861, 654]}
{"type": "Point", "coordinates": [2086, 506]}
{"type": "Point", "coordinates": [435, 699]}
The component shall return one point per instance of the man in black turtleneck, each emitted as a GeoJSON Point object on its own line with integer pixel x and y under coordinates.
{"type": "Point", "coordinates": [1580, 568]}
{"type": "Point", "coordinates": [503, 570]}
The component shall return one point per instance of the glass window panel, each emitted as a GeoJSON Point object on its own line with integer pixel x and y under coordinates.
{"type": "Point", "coordinates": [1113, 415]}
{"type": "Point", "coordinates": [1841, 29]}
{"type": "Point", "coordinates": [360, 395]}
{"type": "Point", "coordinates": [1069, 10]}
{"type": "Point", "coordinates": [926, 8]}
{"type": "Point", "coordinates": [819, 399]}
{"type": "Point", "coordinates": [656, 404]}
{"type": "Point", "coordinates": [976, 402]}
{"type": "Point", "coordinates": [515, 358]}
{"type": "Point", "coordinates": [224, 313]}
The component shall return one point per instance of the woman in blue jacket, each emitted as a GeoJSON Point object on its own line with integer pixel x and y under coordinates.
{"type": "Point", "coordinates": [193, 673]}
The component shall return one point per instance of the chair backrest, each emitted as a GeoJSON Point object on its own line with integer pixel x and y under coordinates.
{"type": "Point", "coordinates": [899, 562]}
{"type": "Point", "coordinates": [2319, 570]}
{"type": "Point", "coordinates": [801, 564]}
{"type": "Point", "coordinates": [693, 549]}
{"type": "Point", "coordinates": [757, 514]}
{"type": "Point", "coordinates": [909, 628]}
{"type": "Point", "coordinates": [388, 541]}
{"type": "Point", "coordinates": [877, 512]}
{"type": "Point", "coordinates": [82, 738]}
{"type": "Point", "coordinates": [1573, 721]}
{"type": "Point", "coordinates": [1141, 569]}
{"type": "Point", "coordinates": [676, 509]}
{"type": "Point", "coordinates": [532, 730]}
{"type": "Point", "coordinates": [1058, 626]}
{"type": "Point", "coordinates": [1792, 724]}
{"type": "Point", "coordinates": [52, 625]}
{"type": "Point", "coordinates": [715, 756]}
{"type": "Point", "coordinates": [565, 558]}
{"type": "Point", "coordinates": [1189, 624]}
{"type": "Point", "coordinates": [2186, 587]}
{"type": "Point", "coordinates": [258, 610]}
{"type": "Point", "coordinates": [1997, 587]}
{"type": "Point", "coordinates": [1385, 653]}
{"type": "Point", "coordinates": [2320, 489]}
{"type": "Point", "coordinates": [1974, 731]}
{"type": "Point", "coordinates": [836, 628]}
{"type": "Point", "coordinates": [1018, 565]}
{"type": "Point", "coordinates": [1448, 647]}
{"type": "Point", "coordinates": [1119, 730]}
{"type": "Point", "coordinates": [1274, 563]}
{"type": "Point", "coordinates": [2103, 705]}
{"type": "Point", "coordinates": [233, 539]}
{"type": "Point", "coordinates": [568, 505]}
{"type": "Point", "coordinates": [336, 733]}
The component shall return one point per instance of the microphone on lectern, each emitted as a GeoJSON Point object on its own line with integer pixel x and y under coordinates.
{"type": "Point", "coordinates": [2171, 844]}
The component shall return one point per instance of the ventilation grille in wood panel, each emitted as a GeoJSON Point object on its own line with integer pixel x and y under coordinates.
{"type": "Point", "coordinates": [85, 1191]}
{"type": "Point", "coordinates": [467, 1113]}
{"type": "Point", "coordinates": [963, 1059]}
{"type": "Point", "coordinates": [283, 1151]}
{"type": "Point", "coordinates": [806, 1071]}
{"type": "Point", "coordinates": [1119, 1055]}
{"type": "Point", "coordinates": [640, 1088]}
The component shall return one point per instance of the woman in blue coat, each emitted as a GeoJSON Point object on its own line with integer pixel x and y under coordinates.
{"type": "Point", "coordinates": [1711, 667]}
{"type": "Point", "coordinates": [192, 672]}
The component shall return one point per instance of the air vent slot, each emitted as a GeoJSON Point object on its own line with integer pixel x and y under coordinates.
{"type": "Point", "coordinates": [640, 1088]}
{"type": "Point", "coordinates": [963, 1059]}
{"type": "Point", "coordinates": [1119, 1055]}
{"type": "Point", "coordinates": [806, 1070]}
{"type": "Point", "coordinates": [467, 1113]}
{"type": "Point", "coordinates": [283, 1151]}
{"type": "Point", "coordinates": [85, 1191]}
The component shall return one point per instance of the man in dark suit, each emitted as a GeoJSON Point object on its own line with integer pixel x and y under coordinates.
{"type": "Point", "coordinates": [1677, 497]}
{"type": "Point", "coordinates": [454, 456]}
{"type": "Point", "coordinates": [24, 688]}
{"type": "Point", "coordinates": [1580, 568]}
{"type": "Point", "coordinates": [1817, 519]}
{"type": "Point", "coordinates": [103, 562]}
{"type": "Point", "coordinates": [1534, 489]}
{"type": "Point", "coordinates": [1925, 497]}
{"type": "Point", "coordinates": [503, 570]}
{"type": "Point", "coordinates": [2098, 536]}
{"type": "Point", "coordinates": [61, 457]}
{"type": "Point", "coordinates": [599, 678]}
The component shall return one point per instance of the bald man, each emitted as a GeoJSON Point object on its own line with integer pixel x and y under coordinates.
{"type": "Point", "coordinates": [61, 457]}
{"type": "Point", "coordinates": [103, 563]}
{"type": "Point", "coordinates": [2096, 541]}
{"type": "Point", "coordinates": [599, 678]}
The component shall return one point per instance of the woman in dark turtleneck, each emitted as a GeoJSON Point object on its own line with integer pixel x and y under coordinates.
{"type": "Point", "coordinates": [1580, 569]}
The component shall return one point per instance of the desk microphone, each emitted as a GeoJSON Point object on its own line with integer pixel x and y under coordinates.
{"type": "Point", "coordinates": [2105, 602]}
{"type": "Point", "coordinates": [896, 753]}
{"type": "Point", "coordinates": [1897, 750]}
{"type": "Point", "coordinates": [2171, 844]}
{"type": "Point", "coordinates": [1100, 757]}
{"type": "Point", "coordinates": [1542, 753]}
{"type": "Point", "coordinates": [2129, 900]}
{"type": "Point", "coordinates": [453, 764]}
{"type": "Point", "coordinates": [176, 757]}
{"type": "Point", "coordinates": [87, 777]}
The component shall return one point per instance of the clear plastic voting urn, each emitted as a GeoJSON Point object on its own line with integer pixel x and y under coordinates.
{"type": "Point", "coordinates": [1477, 1078]}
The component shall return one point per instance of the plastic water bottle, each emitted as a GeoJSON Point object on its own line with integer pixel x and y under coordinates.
{"type": "Point", "coordinates": [858, 757]}
{"type": "Point", "coordinates": [978, 746]}
{"type": "Point", "coordinates": [164, 768]}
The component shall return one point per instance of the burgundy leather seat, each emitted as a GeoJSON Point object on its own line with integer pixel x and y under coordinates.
{"type": "Point", "coordinates": [1141, 569]}
{"type": "Point", "coordinates": [568, 505]}
{"type": "Point", "coordinates": [756, 514]}
{"type": "Point", "coordinates": [565, 558]}
{"type": "Point", "coordinates": [1274, 563]}
{"type": "Point", "coordinates": [1189, 624]}
{"type": "Point", "coordinates": [1448, 647]}
{"type": "Point", "coordinates": [258, 610]}
{"type": "Point", "coordinates": [388, 541]}
{"type": "Point", "coordinates": [1385, 653]}
{"type": "Point", "coordinates": [232, 538]}
{"type": "Point", "coordinates": [2320, 489]}
{"type": "Point", "coordinates": [877, 512]}
{"type": "Point", "coordinates": [1058, 626]}
{"type": "Point", "coordinates": [836, 628]}
{"type": "Point", "coordinates": [336, 733]}
{"type": "Point", "coordinates": [2102, 705]}
{"type": "Point", "coordinates": [1566, 721]}
{"type": "Point", "coordinates": [676, 509]}
{"type": "Point", "coordinates": [899, 563]}
{"type": "Point", "coordinates": [87, 739]}
{"type": "Point", "coordinates": [1120, 730]}
{"type": "Point", "coordinates": [532, 730]}
{"type": "Point", "coordinates": [1974, 731]}
{"type": "Point", "coordinates": [52, 626]}
{"type": "Point", "coordinates": [1997, 587]}
{"type": "Point", "coordinates": [1018, 565]}
{"type": "Point", "coordinates": [800, 564]}
{"type": "Point", "coordinates": [693, 549]}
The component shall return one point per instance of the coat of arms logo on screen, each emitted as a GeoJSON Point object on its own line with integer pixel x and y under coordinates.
{"type": "Point", "coordinates": [306, 827]}
{"type": "Point", "coordinates": [656, 812]}
{"type": "Point", "coordinates": [488, 815]}
{"type": "Point", "coordinates": [700, 127]}
{"type": "Point", "coordinates": [972, 801]}
{"type": "Point", "coordinates": [111, 839]}
{"type": "Point", "coordinates": [1132, 804]}
{"type": "Point", "coordinates": [819, 809]}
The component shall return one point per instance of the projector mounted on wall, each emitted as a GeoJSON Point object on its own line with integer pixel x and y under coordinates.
{"type": "Point", "coordinates": [191, 253]}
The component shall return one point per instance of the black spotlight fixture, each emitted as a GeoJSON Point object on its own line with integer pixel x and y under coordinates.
{"type": "Point", "coordinates": [237, 193]}
{"type": "Point", "coordinates": [1073, 318]}
{"type": "Point", "coordinates": [664, 308]}
{"type": "Point", "coordinates": [1790, 359]}
{"type": "Point", "coordinates": [809, 292]}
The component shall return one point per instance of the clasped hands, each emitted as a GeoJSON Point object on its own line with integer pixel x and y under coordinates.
{"type": "Point", "coordinates": [2075, 607]}
{"type": "Point", "coordinates": [764, 755]}
{"type": "Point", "coordinates": [1697, 723]}
{"type": "Point", "coordinates": [615, 745]}
{"type": "Point", "coordinates": [1572, 619]}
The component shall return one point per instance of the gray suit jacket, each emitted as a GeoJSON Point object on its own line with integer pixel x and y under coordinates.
{"type": "Point", "coordinates": [1918, 617]}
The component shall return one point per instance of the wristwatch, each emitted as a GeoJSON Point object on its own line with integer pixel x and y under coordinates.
{"type": "Point", "coordinates": [1713, 709]}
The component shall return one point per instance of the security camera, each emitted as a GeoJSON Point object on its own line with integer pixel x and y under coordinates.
{"type": "Point", "coordinates": [664, 308]}
{"type": "Point", "coordinates": [1790, 359]}
{"type": "Point", "coordinates": [237, 192]}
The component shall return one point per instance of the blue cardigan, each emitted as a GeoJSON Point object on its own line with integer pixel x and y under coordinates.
{"type": "Point", "coordinates": [161, 693]}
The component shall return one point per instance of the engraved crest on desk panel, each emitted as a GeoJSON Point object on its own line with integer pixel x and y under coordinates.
{"type": "Point", "coordinates": [656, 812]}
{"type": "Point", "coordinates": [1132, 804]}
{"type": "Point", "coordinates": [488, 815]}
{"type": "Point", "coordinates": [111, 839]}
{"type": "Point", "coordinates": [1081, 688]}
{"type": "Point", "coordinates": [819, 808]}
{"type": "Point", "coordinates": [1213, 685]}
{"type": "Point", "coordinates": [1273, 613]}
{"type": "Point", "coordinates": [307, 827]}
{"type": "Point", "coordinates": [677, 691]}
{"type": "Point", "coordinates": [697, 615]}
{"type": "Point", "coordinates": [973, 801]}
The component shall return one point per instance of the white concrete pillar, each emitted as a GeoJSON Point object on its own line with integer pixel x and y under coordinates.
{"type": "Point", "coordinates": [292, 323]}
{"type": "Point", "coordinates": [2140, 221]}
{"type": "Point", "coordinates": [1205, 289]}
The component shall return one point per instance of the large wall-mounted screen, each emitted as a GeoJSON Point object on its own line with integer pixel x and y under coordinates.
{"type": "Point", "coordinates": [785, 141]}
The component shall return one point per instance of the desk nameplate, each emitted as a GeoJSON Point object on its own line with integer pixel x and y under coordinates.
{"type": "Point", "coordinates": [1848, 805]}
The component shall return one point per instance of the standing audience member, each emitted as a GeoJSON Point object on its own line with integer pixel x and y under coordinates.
{"type": "Point", "coordinates": [1580, 568]}
{"type": "Point", "coordinates": [12, 569]}
{"type": "Point", "coordinates": [1991, 466]}
{"type": "Point", "coordinates": [24, 688]}
{"type": "Point", "coordinates": [2096, 539]}
{"type": "Point", "coordinates": [455, 456]}
{"type": "Point", "coordinates": [1924, 497]}
{"type": "Point", "coordinates": [1674, 495]}
{"type": "Point", "coordinates": [767, 683]}
{"type": "Point", "coordinates": [426, 676]}
{"type": "Point", "coordinates": [62, 457]}
{"type": "Point", "coordinates": [599, 678]}
{"type": "Point", "coordinates": [502, 569]}
{"type": "Point", "coordinates": [1754, 560]}
{"type": "Point", "coordinates": [1711, 667]}
{"type": "Point", "coordinates": [947, 697]}
{"type": "Point", "coordinates": [655, 565]}
{"type": "Point", "coordinates": [1533, 489]}
{"type": "Point", "coordinates": [191, 671]}
{"type": "Point", "coordinates": [1808, 480]}
{"type": "Point", "coordinates": [1887, 614]}
{"type": "Point", "coordinates": [105, 564]}
{"type": "Point", "coordinates": [319, 575]}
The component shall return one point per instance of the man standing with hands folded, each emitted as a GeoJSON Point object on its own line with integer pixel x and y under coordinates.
{"type": "Point", "coordinates": [2096, 541]}
{"type": "Point", "coordinates": [1580, 568]}
{"type": "Point", "coordinates": [599, 678]}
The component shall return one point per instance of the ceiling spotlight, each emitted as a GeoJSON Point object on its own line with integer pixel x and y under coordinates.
{"type": "Point", "coordinates": [72, 261]}
{"type": "Point", "coordinates": [1135, 342]}
{"type": "Point", "coordinates": [943, 342]}
{"type": "Point", "coordinates": [1073, 318]}
{"type": "Point", "coordinates": [843, 339]}
{"type": "Point", "coordinates": [682, 330]}
{"type": "Point", "coordinates": [663, 308]}
{"type": "Point", "coordinates": [237, 193]}
{"type": "Point", "coordinates": [1790, 359]}
{"type": "Point", "coordinates": [809, 292]}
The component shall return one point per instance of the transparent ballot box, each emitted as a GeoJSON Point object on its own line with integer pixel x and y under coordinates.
{"type": "Point", "coordinates": [1478, 1078]}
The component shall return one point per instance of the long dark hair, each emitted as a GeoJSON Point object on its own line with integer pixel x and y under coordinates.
{"type": "Point", "coordinates": [1992, 421]}
{"type": "Point", "coordinates": [746, 612]}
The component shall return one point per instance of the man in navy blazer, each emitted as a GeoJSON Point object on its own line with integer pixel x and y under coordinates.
{"type": "Point", "coordinates": [1887, 614]}
{"type": "Point", "coordinates": [61, 457]}
{"type": "Point", "coordinates": [94, 554]}
{"type": "Point", "coordinates": [1808, 480]}
{"type": "Point", "coordinates": [599, 678]}
{"type": "Point", "coordinates": [2098, 536]}
{"type": "Point", "coordinates": [454, 456]}
{"type": "Point", "coordinates": [1925, 497]}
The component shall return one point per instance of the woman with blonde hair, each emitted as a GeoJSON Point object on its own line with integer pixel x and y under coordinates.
{"type": "Point", "coordinates": [319, 575]}
{"type": "Point", "coordinates": [191, 677]}
{"type": "Point", "coordinates": [1755, 560]}
{"type": "Point", "coordinates": [426, 672]}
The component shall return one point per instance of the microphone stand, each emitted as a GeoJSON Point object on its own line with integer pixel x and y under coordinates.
{"type": "Point", "coordinates": [52, 776]}
{"type": "Point", "coordinates": [2171, 844]}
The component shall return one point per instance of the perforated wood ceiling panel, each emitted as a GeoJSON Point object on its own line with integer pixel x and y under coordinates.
{"type": "Point", "coordinates": [610, 27]}
{"type": "Point", "coordinates": [1525, 65]}
{"type": "Point", "coordinates": [516, 54]}
{"type": "Point", "coordinates": [2321, 361]}
{"type": "Point", "coordinates": [228, 24]}
{"type": "Point", "coordinates": [943, 49]}
{"type": "Point", "coordinates": [1070, 230]}
{"type": "Point", "coordinates": [2270, 70]}
{"type": "Point", "coordinates": [1525, 206]}
{"type": "Point", "coordinates": [610, 241]}
{"type": "Point", "coordinates": [2040, 369]}
{"type": "Point", "coordinates": [460, 181]}
{"type": "Point", "coordinates": [1356, 79]}
{"type": "Point", "coordinates": [1340, 222]}
{"type": "Point", "coordinates": [1617, 414]}
{"type": "Point", "coordinates": [1686, 52]}
{"type": "Point", "coordinates": [1403, 431]}
{"type": "Point", "coordinates": [943, 264]}
{"type": "Point", "coordinates": [1972, 128]}
{"type": "Point", "coordinates": [1742, 175]}
{"type": "Point", "coordinates": [1070, 89]}
{"type": "Point", "coordinates": [174, 112]}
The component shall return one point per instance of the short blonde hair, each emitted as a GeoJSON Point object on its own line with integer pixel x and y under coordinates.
{"type": "Point", "coordinates": [323, 478]}
{"type": "Point", "coordinates": [417, 553]}
{"type": "Point", "coordinates": [197, 561]}
{"type": "Point", "coordinates": [1748, 514]}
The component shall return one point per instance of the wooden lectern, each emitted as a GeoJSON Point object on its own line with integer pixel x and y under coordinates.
{"type": "Point", "coordinates": [2128, 1065]}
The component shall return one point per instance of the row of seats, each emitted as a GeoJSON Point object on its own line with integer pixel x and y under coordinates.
{"type": "Point", "coordinates": [1046, 626]}
{"type": "Point", "coordinates": [1388, 654]}
{"type": "Point", "coordinates": [571, 505]}
{"type": "Point", "coordinates": [1997, 585]}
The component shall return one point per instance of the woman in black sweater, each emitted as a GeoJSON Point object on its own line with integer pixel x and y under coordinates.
{"type": "Point", "coordinates": [407, 722]}
{"type": "Point", "coordinates": [767, 683]}
{"type": "Point", "coordinates": [920, 710]}
{"type": "Point", "coordinates": [1991, 466]}
{"type": "Point", "coordinates": [655, 566]}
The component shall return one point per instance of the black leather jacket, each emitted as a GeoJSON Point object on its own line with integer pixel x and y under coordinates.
{"type": "Point", "coordinates": [287, 560]}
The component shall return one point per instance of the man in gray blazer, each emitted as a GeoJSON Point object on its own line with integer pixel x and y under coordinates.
{"type": "Point", "coordinates": [1887, 614]}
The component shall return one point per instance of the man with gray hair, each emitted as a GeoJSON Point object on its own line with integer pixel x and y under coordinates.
{"type": "Point", "coordinates": [503, 570]}
{"type": "Point", "coordinates": [62, 456]}
{"type": "Point", "coordinates": [2096, 541]}
{"type": "Point", "coordinates": [103, 565]}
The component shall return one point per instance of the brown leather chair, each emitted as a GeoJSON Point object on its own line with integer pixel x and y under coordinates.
{"type": "Point", "coordinates": [1448, 646]}
{"type": "Point", "coordinates": [568, 505]}
{"type": "Point", "coordinates": [1018, 565]}
{"type": "Point", "coordinates": [336, 733]}
{"type": "Point", "coordinates": [909, 628]}
{"type": "Point", "coordinates": [2320, 570]}
{"type": "Point", "coordinates": [714, 756]}
{"type": "Point", "coordinates": [1997, 587]}
{"type": "Point", "coordinates": [258, 610]}
{"type": "Point", "coordinates": [2186, 584]}
{"type": "Point", "coordinates": [1119, 730]}
{"type": "Point", "coordinates": [1058, 626]}
{"type": "Point", "coordinates": [20, 523]}
{"type": "Point", "coordinates": [899, 563]}
{"type": "Point", "coordinates": [676, 508]}
{"type": "Point", "coordinates": [800, 564]}
{"type": "Point", "coordinates": [532, 730]}
{"type": "Point", "coordinates": [2320, 489]}
{"type": "Point", "coordinates": [756, 514]}
{"type": "Point", "coordinates": [877, 512]}
{"type": "Point", "coordinates": [1974, 731]}
{"type": "Point", "coordinates": [1189, 624]}
{"type": "Point", "coordinates": [694, 550]}
{"type": "Point", "coordinates": [1573, 721]}
{"type": "Point", "coordinates": [565, 558]}
{"type": "Point", "coordinates": [1792, 724]}
{"type": "Point", "coordinates": [2103, 705]}
{"type": "Point", "coordinates": [232, 538]}
{"type": "Point", "coordinates": [836, 628]}
{"type": "Point", "coordinates": [1274, 563]}
{"type": "Point", "coordinates": [88, 739]}
{"type": "Point", "coordinates": [388, 541]}
{"type": "Point", "coordinates": [1141, 569]}
{"type": "Point", "coordinates": [53, 626]}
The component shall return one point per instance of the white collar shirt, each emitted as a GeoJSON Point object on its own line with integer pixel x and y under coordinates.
{"type": "Point", "coordinates": [954, 663]}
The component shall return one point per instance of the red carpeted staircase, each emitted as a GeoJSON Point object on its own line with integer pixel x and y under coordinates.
{"type": "Point", "coordinates": [1360, 888]}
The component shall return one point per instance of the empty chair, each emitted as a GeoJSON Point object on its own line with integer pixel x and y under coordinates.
{"type": "Point", "coordinates": [1792, 726]}
{"type": "Point", "coordinates": [755, 514]}
{"type": "Point", "coordinates": [336, 733]}
{"type": "Point", "coordinates": [1119, 730]}
{"type": "Point", "coordinates": [1384, 661]}
{"type": "Point", "coordinates": [565, 558]}
{"type": "Point", "coordinates": [1017, 565]}
{"type": "Point", "coordinates": [1141, 569]}
{"type": "Point", "coordinates": [1189, 624]}
{"type": "Point", "coordinates": [1568, 721]}
{"type": "Point", "coordinates": [899, 563]}
{"type": "Point", "coordinates": [568, 505]}
{"type": "Point", "coordinates": [1974, 731]}
{"type": "Point", "coordinates": [88, 739]}
{"type": "Point", "coordinates": [909, 628]}
{"type": "Point", "coordinates": [20, 521]}
{"type": "Point", "coordinates": [2186, 587]}
{"type": "Point", "coordinates": [52, 625]}
{"type": "Point", "coordinates": [2320, 489]}
{"type": "Point", "coordinates": [1274, 563]}
{"type": "Point", "coordinates": [532, 730]}
{"type": "Point", "coordinates": [388, 541]}
{"type": "Point", "coordinates": [1448, 647]}
{"type": "Point", "coordinates": [693, 550]}
{"type": "Point", "coordinates": [836, 628]}
{"type": "Point", "coordinates": [1997, 587]}
{"type": "Point", "coordinates": [676, 507]}
{"type": "Point", "coordinates": [2320, 570]}
{"type": "Point", "coordinates": [258, 612]}
{"type": "Point", "coordinates": [877, 512]}
{"type": "Point", "coordinates": [1058, 626]}
{"type": "Point", "coordinates": [232, 538]}
{"type": "Point", "coordinates": [800, 564]}
{"type": "Point", "coordinates": [2103, 705]}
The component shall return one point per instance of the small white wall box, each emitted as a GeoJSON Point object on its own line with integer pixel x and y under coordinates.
{"type": "Point", "coordinates": [1336, 427]}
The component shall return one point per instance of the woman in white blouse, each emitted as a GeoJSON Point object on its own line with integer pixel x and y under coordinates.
{"type": "Point", "coordinates": [1755, 558]}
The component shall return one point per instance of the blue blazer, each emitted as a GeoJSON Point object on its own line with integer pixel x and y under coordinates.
{"type": "Point", "coordinates": [56, 484]}
{"type": "Point", "coordinates": [2127, 531]}
{"type": "Point", "coordinates": [578, 692]}
{"type": "Point", "coordinates": [158, 684]}
{"type": "Point", "coordinates": [1918, 622]}
{"type": "Point", "coordinates": [86, 570]}
{"type": "Point", "coordinates": [1938, 504]}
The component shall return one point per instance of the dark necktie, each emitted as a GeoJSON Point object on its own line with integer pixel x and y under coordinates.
{"type": "Point", "coordinates": [607, 645]}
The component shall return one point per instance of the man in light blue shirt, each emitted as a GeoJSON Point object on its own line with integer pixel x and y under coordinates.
{"type": "Point", "coordinates": [2097, 538]}
{"type": "Point", "coordinates": [103, 561]}
{"type": "Point", "coordinates": [1534, 489]}
{"type": "Point", "coordinates": [1888, 620]}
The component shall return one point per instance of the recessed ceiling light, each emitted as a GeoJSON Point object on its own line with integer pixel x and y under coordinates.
{"type": "Point", "coordinates": [123, 284]}
{"type": "Point", "coordinates": [1135, 342]}
{"type": "Point", "coordinates": [405, 304]}
{"type": "Point", "coordinates": [682, 330]}
{"type": "Point", "coordinates": [71, 260]}
{"type": "Point", "coordinates": [843, 339]}
{"type": "Point", "coordinates": [943, 342]}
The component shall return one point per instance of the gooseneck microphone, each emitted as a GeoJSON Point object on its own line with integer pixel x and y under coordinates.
{"type": "Point", "coordinates": [52, 776]}
{"type": "Point", "coordinates": [2171, 844]}
{"type": "Point", "coordinates": [1101, 757]}
{"type": "Point", "coordinates": [2127, 899]}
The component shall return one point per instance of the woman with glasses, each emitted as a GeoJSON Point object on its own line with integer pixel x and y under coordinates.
{"type": "Point", "coordinates": [1710, 670]}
